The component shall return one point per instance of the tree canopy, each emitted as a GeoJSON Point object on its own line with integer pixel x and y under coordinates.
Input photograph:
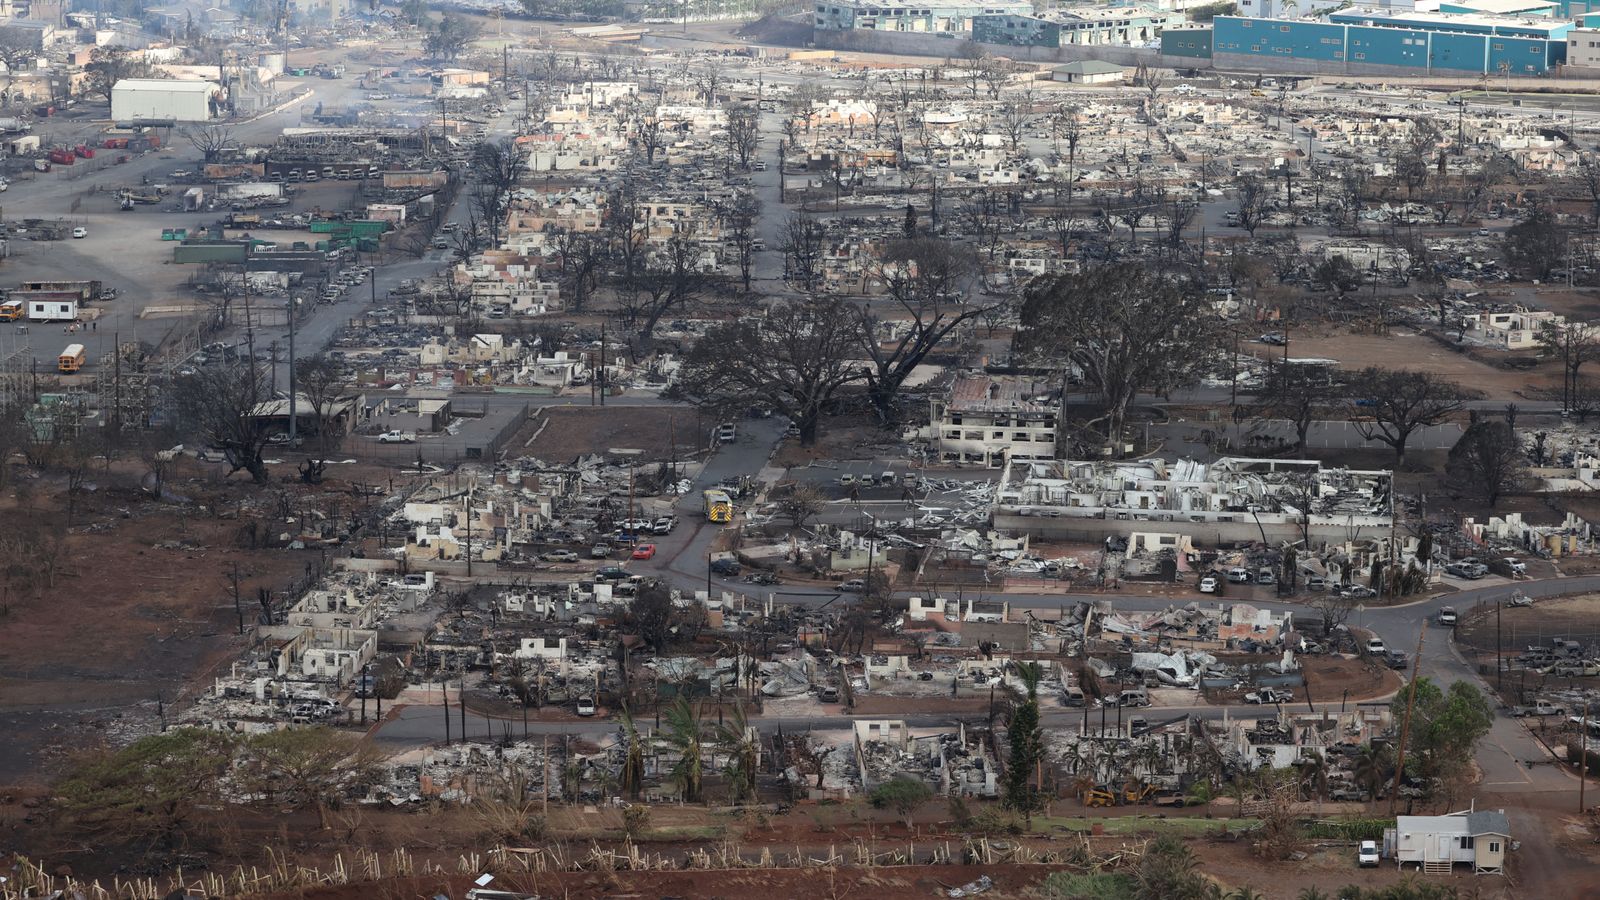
{"type": "Point", "coordinates": [1125, 327]}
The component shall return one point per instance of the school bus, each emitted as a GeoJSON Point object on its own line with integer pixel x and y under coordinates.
{"type": "Point", "coordinates": [71, 359]}
{"type": "Point", "coordinates": [719, 506]}
{"type": "Point", "coordinates": [12, 311]}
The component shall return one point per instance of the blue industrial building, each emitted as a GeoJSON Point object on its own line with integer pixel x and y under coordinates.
{"type": "Point", "coordinates": [1398, 39]}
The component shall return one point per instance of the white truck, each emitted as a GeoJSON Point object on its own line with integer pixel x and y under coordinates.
{"type": "Point", "coordinates": [398, 437]}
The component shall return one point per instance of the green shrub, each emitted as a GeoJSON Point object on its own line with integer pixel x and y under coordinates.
{"type": "Point", "coordinates": [1101, 886]}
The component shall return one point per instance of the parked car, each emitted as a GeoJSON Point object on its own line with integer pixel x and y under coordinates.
{"type": "Point", "coordinates": [1517, 566]}
{"type": "Point", "coordinates": [853, 586]}
{"type": "Point", "coordinates": [1367, 854]}
{"type": "Point", "coordinates": [1133, 697]}
{"type": "Point", "coordinates": [1447, 616]}
{"type": "Point", "coordinates": [1269, 695]}
{"type": "Point", "coordinates": [80, 232]}
{"type": "Point", "coordinates": [1208, 584]}
{"type": "Point", "coordinates": [846, 480]}
{"type": "Point", "coordinates": [644, 551]}
{"type": "Point", "coordinates": [1357, 592]}
{"type": "Point", "coordinates": [397, 437]}
{"type": "Point", "coordinates": [1539, 708]}
{"type": "Point", "coordinates": [1239, 575]}
{"type": "Point", "coordinates": [561, 556]}
{"type": "Point", "coordinates": [1520, 599]}
{"type": "Point", "coordinates": [1375, 647]}
{"type": "Point", "coordinates": [585, 706]}
{"type": "Point", "coordinates": [600, 551]}
{"type": "Point", "coordinates": [663, 525]}
{"type": "Point", "coordinates": [1394, 659]}
{"type": "Point", "coordinates": [724, 567]}
{"type": "Point", "coordinates": [1265, 576]}
{"type": "Point", "coordinates": [1349, 793]}
{"type": "Point", "coordinates": [610, 573]}
{"type": "Point", "coordinates": [828, 694]}
{"type": "Point", "coordinates": [1316, 583]}
{"type": "Point", "coordinates": [727, 434]}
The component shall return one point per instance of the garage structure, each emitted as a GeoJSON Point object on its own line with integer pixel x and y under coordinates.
{"type": "Point", "coordinates": [161, 100]}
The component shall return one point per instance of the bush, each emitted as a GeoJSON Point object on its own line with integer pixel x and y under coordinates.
{"type": "Point", "coordinates": [1099, 886]}
{"type": "Point", "coordinates": [993, 821]}
{"type": "Point", "coordinates": [1349, 829]}
{"type": "Point", "coordinates": [902, 794]}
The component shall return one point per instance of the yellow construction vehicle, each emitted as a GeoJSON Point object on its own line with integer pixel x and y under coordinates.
{"type": "Point", "coordinates": [1099, 797]}
{"type": "Point", "coordinates": [1137, 792]}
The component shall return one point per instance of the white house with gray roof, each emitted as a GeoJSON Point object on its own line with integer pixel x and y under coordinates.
{"type": "Point", "coordinates": [1479, 838]}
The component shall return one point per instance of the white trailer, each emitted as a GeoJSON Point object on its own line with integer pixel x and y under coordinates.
{"type": "Point", "coordinates": [52, 310]}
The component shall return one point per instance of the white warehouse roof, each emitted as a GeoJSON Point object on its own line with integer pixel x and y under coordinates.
{"type": "Point", "coordinates": [164, 84]}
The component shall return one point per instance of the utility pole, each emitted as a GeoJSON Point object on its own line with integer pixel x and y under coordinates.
{"type": "Point", "coordinates": [444, 692]}
{"type": "Point", "coordinates": [469, 538]}
{"type": "Point", "coordinates": [1405, 728]}
{"type": "Point", "coordinates": [1499, 664]}
{"type": "Point", "coordinates": [461, 699]}
{"type": "Point", "coordinates": [601, 375]}
{"type": "Point", "coordinates": [237, 609]}
{"type": "Point", "coordinates": [116, 387]}
{"type": "Point", "coordinates": [292, 410]}
{"type": "Point", "coordinates": [1583, 755]}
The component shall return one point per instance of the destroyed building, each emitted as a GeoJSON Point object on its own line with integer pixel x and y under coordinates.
{"type": "Point", "coordinates": [1234, 499]}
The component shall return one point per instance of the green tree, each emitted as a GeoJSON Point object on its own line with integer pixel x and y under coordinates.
{"type": "Point", "coordinates": [307, 766]}
{"type": "Point", "coordinates": [903, 794]}
{"type": "Point", "coordinates": [1445, 725]}
{"type": "Point", "coordinates": [1167, 871]}
{"type": "Point", "coordinates": [1026, 740]}
{"type": "Point", "coordinates": [740, 743]}
{"type": "Point", "coordinates": [148, 790]}
{"type": "Point", "coordinates": [633, 760]}
{"type": "Point", "coordinates": [683, 736]}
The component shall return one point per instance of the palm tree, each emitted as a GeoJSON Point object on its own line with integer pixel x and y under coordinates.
{"type": "Point", "coordinates": [1372, 767]}
{"type": "Point", "coordinates": [683, 735]}
{"type": "Point", "coordinates": [734, 736]}
{"type": "Point", "coordinates": [633, 762]}
{"type": "Point", "coordinates": [1312, 893]}
{"type": "Point", "coordinates": [1246, 893]}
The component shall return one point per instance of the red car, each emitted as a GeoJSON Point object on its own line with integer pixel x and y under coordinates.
{"type": "Point", "coordinates": [644, 551]}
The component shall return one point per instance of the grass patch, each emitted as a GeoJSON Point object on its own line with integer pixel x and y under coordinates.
{"type": "Point", "coordinates": [684, 833]}
{"type": "Point", "coordinates": [1100, 886]}
{"type": "Point", "coordinates": [1181, 826]}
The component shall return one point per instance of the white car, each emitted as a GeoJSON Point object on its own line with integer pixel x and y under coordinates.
{"type": "Point", "coordinates": [1367, 854]}
{"type": "Point", "coordinates": [1208, 584]}
{"type": "Point", "coordinates": [1520, 599]}
{"type": "Point", "coordinates": [80, 232]}
{"type": "Point", "coordinates": [1375, 647]}
{"type": "Point", "coordinates": [585, 706]}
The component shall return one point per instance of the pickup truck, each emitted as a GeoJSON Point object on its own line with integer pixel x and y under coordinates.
{"type": "Point", "coordinates": [398, 437]}
{"type": "Point", "coordinates": [1540, 708]}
